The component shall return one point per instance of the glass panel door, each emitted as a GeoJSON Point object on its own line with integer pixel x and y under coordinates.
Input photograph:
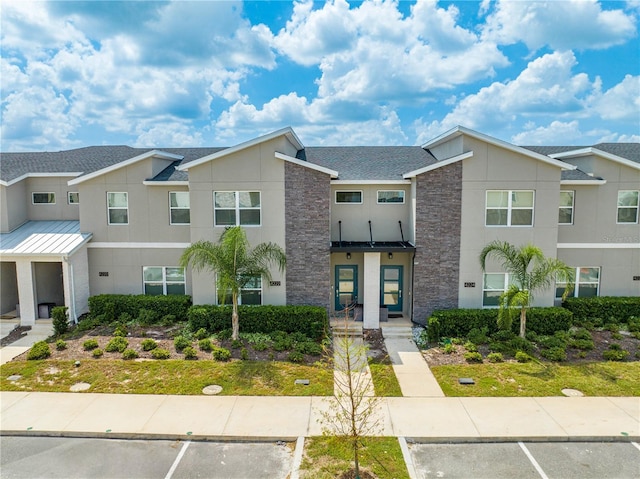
{"type": "Point", "coordinates": [346, 287]}
{"type": "Point", "coordinates": [391, 287]}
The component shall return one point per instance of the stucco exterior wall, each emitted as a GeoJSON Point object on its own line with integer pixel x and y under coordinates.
{"type": "Point", "coordinates": [8, 286]}
{"type": "Point", "coordinates": [495, 168]}
{"type": "Point", "coordinates": [384, 217]}
{"type": "Point", "coordinates": [13, 206]}
{"type": "Point", "coordinates": [308, 210]}
{"type": "Point", "coordinates": [437, 260]}
{"type": "Point", "coordinates": [449, 149]}
{"type": "Point", "coordinates": [61, 210]}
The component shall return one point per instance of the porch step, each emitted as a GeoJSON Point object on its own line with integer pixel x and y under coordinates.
{"type": "Point", "coordinates": [396, 332]}
{"type": "Point", "coordinates": [349, 328]}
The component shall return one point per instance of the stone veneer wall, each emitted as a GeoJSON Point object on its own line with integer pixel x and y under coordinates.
{"type": "Point", "coordinates": [438, 224]}
{"type": "Point", "coordinates": [307, 236]}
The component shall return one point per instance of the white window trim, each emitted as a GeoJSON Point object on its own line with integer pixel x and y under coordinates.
{"type": "Point", "coordinates": [171, 208]}
{"type": "Point", "coordinates": [164, 279]}
{"type": "Point", "coordinates": [33, 202]}
{"type": "Point", "coordinates": [349, 202]}
{"type": "Point", "coordinates": [261, 289]}
{"type": "Point", "coordinates": [237, 208]}
{"type": "Point", "coordinates": [69, 193]}
{"type": "Point", "coordinates": [109, 208]}
{"type": "Point", "coordinates": [628, 208]}
{"type": "Point", "coordinates": [573, 203]}
{"type": "Point", "coordinates": [576, 284]}
{"type": "Point", "coordinates": [390, 202]}
{"type": "Point", "coordinates": [509, 209]}
{"type": "Point", "coordinates": [506, 286]}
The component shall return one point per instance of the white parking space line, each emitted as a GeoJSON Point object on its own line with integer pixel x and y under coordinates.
{"type": "Point", "coordinates": [636, 445]}
{"type": "Point", "coordinates": [533, 460]}
{"type": "Point", "coordinates": [177, 461]}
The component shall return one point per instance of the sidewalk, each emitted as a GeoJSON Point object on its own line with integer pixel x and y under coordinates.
{"type": "Point", "coordinates": [426, 416]}
{"type": "Point", "coordinates": [39, 332]}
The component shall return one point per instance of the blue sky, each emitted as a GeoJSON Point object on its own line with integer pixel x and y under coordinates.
{"type": "Point", "coordinates": [214, 73]}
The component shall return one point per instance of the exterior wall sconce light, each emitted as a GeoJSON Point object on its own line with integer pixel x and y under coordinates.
{"type": "Point", "coordinates": [390, 255]}
{"type": "Point", "coordinates": [348, 255]}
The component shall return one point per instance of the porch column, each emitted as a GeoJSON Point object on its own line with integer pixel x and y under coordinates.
{"type": "Point", "coordinates": [26, 292]}
{"type": "Point", "coordinates": [371, 296]}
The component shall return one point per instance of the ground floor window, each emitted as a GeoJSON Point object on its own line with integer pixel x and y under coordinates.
{"type": "Point", "coordinates": [159, 280]}
{"type": "Point", "coordinates": [493, 285]}
{"type": "Point", "coordinates": [251, 293]}
{"type": "Point", "coordinates": [587, 283]}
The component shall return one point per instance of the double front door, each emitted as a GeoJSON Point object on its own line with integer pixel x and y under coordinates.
{"type": "Point", "coordinates": [346, 281]}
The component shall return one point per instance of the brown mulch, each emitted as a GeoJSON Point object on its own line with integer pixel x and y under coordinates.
{"type": "Point", "coordinates": [375, 342]}
{"type": "Point", "coordinates": [435, 355]}
{"type": "Point", "coordinates": [351, 474]}
{"type": "Point", "coordinates": [15, 334]}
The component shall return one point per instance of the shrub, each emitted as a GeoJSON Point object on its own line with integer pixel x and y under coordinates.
{"type": "Point", "coordinates": [617, 336]}
{"type": "Point", "coordinates": [449, 348]}
{"type": "Point", "coordinates": [581, 333]}
{"type": "Point", "coordinates": [613, 327]}
{"type": "Point", "coordinates": [603, 309]}
{"type": "Point", "coordinates": [88, 324]}
{"type": "Point", "coordinates": [60, 320]}
{"type": "Point", "coordinates": [97, 353]}
{"type": "Point", "coordinates": [180, 342]}
{"type": "Point", "coordinates": [554, 354]}
{"type": "Point", "coordinates": [469, 346]}
{"type": "Point", "coordinates": [496, 357]}
{"type": "Point", "coordinates": [503, 335]}
{"type": "Point", "coordinates": [159, 353]}
{"type": "Point", "coordinates": [201, 334]}
{"type": "Point", "coordinates": [433, 329]}
{"type": "Point", "coordinates": [129, 354]}
{"type": "Point", "coordinates": [523, 357]}
{"type": "Point", "coordinates": [113, 305]}
{"type": "Point", "coordinates": [147, 317]}
{"type": "Point", "coordinates": [148, 344]}
{"type": "Point", "coordinates": [221, 354]}
{"type": "Point", "coordinates": [61, 345]}
{"type": "Point", "coordinates": [117, 344]}
{"type": "Point", "coordinates": [168, 319]}
{"type": "Point", "coordinates": [125, 318]}
{"type": "Point", "coordinates": [295, 357]}
{"type": "Point", "coordinates": [253, 338]}
{"type": "Point", "coordinates": [205, 344]}
{"type": "Point", "coordinates": [224, 334]}
{"type": "Point", "coordinates": [615, 353]}
{"type": "Point", "coordinates": [634, 324]}
{"type": "Point", "coordinates": [90, 344]}
{"type": "Point", "coordinates": [190, 353]}
{"type": "Point", "coordinates": [582, 344]}
{"type": "Point", "coordinates": [260, 346]}
{"type": "Point", "coordinates": [236, 343]}
{"type": "Point", "coordinates": [473, 357]}
{"type": "Point", "coordinates": [244, 354]}
{"type": "Point", "coordinates": [120, 331]}
{"type": "Point", "coordinates": [309, 347]}
{"type": "Point", "coordinates": [552, 342]}
{"type": "Point", "coordinates": [479, 335]}
{"type": "Point", "coordinates": [39, 350]}
{"type": "Point", "coordinates": [312, 321]}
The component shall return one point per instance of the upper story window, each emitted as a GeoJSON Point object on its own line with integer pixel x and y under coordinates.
{"type": "Point", "coordinates": [509, 208]}
{"type": "Point", "coordinates": [565, 214]}
{"type": "Point", "coordinates": [236, 208]}
{"type": "Point", "coordinates": [628, 201]}
{"type": "Point", "coordinates": [587, 283]}
{"type": "Point", "coordinates": [251, 293]}
{"type": "Point", "coordinates": [162, 280]}
{"type": "Point", "coordinates": [118, 208]}
{"type": "Point", "coordinates": [43, 198]}
{"type": "Point", "coordinates": [353, 197]}
{"type": "Point", "coordinates": [391, 196]}
{"type": "Point", "coordinates": [73, 198]}
{"type": "Point", "coordinates": [179, 209]}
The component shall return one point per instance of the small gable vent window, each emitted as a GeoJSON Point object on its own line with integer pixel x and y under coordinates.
{"type": "Point", "coordinates": [391, 196]}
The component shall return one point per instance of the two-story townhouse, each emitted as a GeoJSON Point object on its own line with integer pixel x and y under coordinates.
{"type": "Point", "coordinates": [394, 227]}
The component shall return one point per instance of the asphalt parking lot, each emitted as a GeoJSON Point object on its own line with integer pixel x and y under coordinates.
{"type": "Point", "coordinates": [530, 460]}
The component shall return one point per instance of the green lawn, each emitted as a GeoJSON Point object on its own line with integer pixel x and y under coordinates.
{"type": "Point", "coordinates": [328, 457]}
{"type": "Point", "coordinates": [237, 378]}
{"type": "Point", "coordinates": [540, 379]}
{"type": "Point", "coordinates": [384, 379]}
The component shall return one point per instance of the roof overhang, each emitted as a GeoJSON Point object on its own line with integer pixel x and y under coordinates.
{"type": "Point", "coordinates": [371, 182]}
{"type": "Point", "coordinates": [165, 183]}
{"type": "Point", "coordinates": [73, 174]}
{"type": "Point", "coordinates": [149, 154]}
{"type": "Point", "coordinates": [306, 164]}
{"type": "Point", "coordinates": [372, 247]}
{"type": "Point", "coordinates": [582, 182]}
{"type": "Point", "coordinates": [596, 152]}
{"type": "Point", "coordinates": [461, 130]}
{"type": "Point", "coordinates": [44, 238]}
{"type": "Point", "coordinates": [439, 164]}
{"type": "Point", "coordinates": [287, 132]}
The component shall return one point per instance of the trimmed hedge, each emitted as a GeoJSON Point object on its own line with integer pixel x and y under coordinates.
{"type": "Point", "coordinates": [456, 323]}
{"type": "Point", "coordinates": [608, 309]}
{"type": "Point", "coordinates": [109, 307]}
{"type": "Point", "coordinates": [310, 320]}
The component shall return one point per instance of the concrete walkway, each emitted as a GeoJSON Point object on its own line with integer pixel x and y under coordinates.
{"type": "Point", "coordinates": [39, 332]}
{"type": "Point", "coordinates": [412, 371]}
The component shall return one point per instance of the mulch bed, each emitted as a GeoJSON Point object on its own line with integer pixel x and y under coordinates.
{"type": "Point", "coordinates": [15, 334]}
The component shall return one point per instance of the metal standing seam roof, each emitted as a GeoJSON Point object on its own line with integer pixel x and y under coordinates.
{"type": "Point", "coordinates": [43, 238]}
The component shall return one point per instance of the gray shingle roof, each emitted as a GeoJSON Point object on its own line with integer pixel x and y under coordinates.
{"type": "Point", "coordinates": [577, 175]}
{"type": "Point", "coordinates": [368, 162]}
{"type": "Point", "coordinates": [630, 151]}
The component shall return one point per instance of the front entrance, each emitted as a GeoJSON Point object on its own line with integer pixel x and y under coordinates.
{"type": "Point", "coordinates": [346, 287]}
{"type": "Point", "coordinates": [391, 287]}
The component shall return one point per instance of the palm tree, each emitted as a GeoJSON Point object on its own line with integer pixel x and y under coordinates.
{"type": "Point", "coordinates": [235, 263]}
{"type": "Point", "coordinates": [529, 270]}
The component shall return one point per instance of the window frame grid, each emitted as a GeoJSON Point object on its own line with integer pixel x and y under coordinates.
{"type": "Point", "coordinates": [172, 208]}
{"type": "Point", "coordinates": [109, 208]}
{"type": "Point", "coordinates": [576, 285]}
{"type": "Point", "coordinates": [506, 284]}
{"type": "Point", "coordinates": [361, 192]}
{"type": "Point", "coordinates": [69, 202]}
{"type": "Point", "coordinates": [164, 281]}
{"type": "Point", "coordinates": [637, 208]}
{"type": "Point", "coordinates": [572, 207]}
{"type": "Point", "coordinates": [237, 209]}
{"type": "Point", "coordinates": [260, 290]}
{"type": "Point", "coordinates": [510, 208]}
{"type": "Point", "coordinates": [390, 202]}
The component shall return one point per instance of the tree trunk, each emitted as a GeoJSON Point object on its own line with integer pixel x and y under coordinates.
{"type": "Point", "coordinates": [355, 458]}
{"type": "Point", "coordinates": [523, 322]}
{"type": "Point", "coordinates": [235, 326]}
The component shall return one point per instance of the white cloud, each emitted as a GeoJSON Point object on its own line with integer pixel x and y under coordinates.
{"type": "Point", "coordinates": [169, 134]}
{"type": "Point", "coordinates": [567, 24]}
{"type": "Point", "coordinates": [622, 102]}
{"type": "Point", "coordinates": [556, 133]}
